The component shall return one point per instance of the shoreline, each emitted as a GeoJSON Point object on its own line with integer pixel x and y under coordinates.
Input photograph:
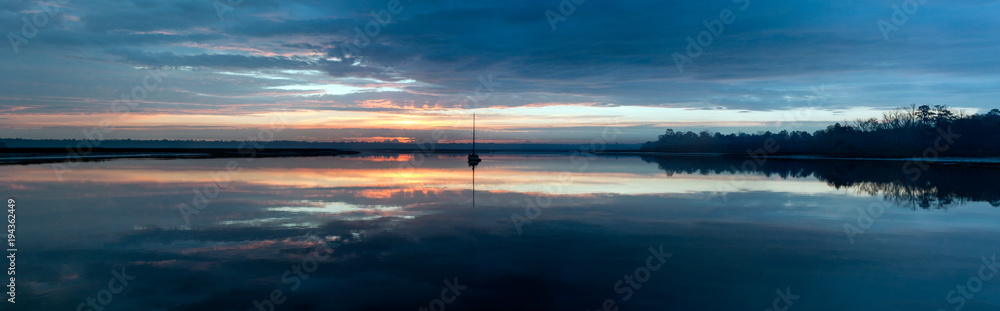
{"type": "Point", "coordinates": [22, 156]}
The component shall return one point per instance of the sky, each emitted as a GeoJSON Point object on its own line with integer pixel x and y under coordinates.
{"type": "Point", "coordinates": [531, 70]}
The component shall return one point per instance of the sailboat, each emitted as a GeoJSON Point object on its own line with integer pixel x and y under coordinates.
{"type": "Point", "coordinates": [473, 157]}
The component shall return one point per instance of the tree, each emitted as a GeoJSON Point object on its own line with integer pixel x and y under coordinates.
{"type": "Point", "coordinates": [925, 114]}
{"type": "Point", "coordinates": [942, 115]}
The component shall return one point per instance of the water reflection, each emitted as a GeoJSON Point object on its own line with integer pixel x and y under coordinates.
{"type": "Point", "coordinates": [399, 226]}
{"type": "Point", "coordinates": [937, 186]}
{"type": "Point", "coordinates": [473, 165]}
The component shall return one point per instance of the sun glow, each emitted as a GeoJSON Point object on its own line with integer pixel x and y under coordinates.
{"type": "Point", "coordinates": [402, 117]}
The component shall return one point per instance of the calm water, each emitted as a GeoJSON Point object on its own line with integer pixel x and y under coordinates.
{"type": "Point", "coordinates": [544, 232]}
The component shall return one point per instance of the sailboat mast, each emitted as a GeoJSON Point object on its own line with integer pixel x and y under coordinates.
{"type": "Point", "coordinates": [473, 133]}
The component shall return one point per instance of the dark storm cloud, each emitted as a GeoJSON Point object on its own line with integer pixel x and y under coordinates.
{"type": "Point", "coordinates": [208, 60]}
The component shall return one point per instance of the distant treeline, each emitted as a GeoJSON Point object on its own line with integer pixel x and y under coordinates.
{"type": "Point", "coordinates": [907, 131]}
{"type": "Point", "coordinates": [190, 144]}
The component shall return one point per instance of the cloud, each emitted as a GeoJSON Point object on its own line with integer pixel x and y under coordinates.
{"type": "Point", "coordinates": [616, 53]}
